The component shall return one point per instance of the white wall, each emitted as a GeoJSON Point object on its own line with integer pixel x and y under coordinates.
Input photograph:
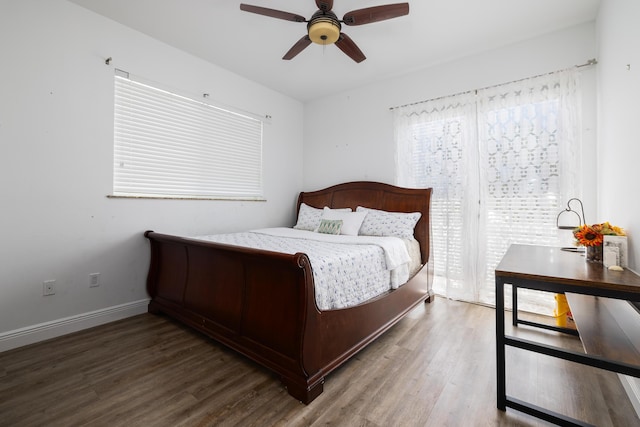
{"type": "Point", "coordinates": [56, 135]}
{"type": "Point", "coordinates": [619, 111]}
{"type": "Point", "coordinates": [350, 136]}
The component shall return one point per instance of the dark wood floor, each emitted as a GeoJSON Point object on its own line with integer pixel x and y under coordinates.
{"type": "Point", "coordinates": [435, 368]}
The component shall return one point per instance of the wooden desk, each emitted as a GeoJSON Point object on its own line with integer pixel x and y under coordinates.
{"type": "Point", "coordinates": [553, 270]}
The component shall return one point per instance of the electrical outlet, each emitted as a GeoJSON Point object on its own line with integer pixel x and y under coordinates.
{"type": "Point", "coordinates": [94, 280]}
{"type": "Point", "coordinates": [48, 287]}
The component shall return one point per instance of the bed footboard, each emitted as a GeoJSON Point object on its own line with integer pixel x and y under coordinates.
{"type": "Point", "coordinates": [255, 302]}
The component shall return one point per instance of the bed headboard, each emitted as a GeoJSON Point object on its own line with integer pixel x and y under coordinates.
{"type": "Point", "coordinates": [377, 195]}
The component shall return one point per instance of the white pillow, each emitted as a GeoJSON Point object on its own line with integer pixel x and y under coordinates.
{"type": "Point", "coordinates": [383, 223]}
{"type": "Point", "coordinates": [351, 221]}
{"type": "Point", "coordinates": [309, 217]}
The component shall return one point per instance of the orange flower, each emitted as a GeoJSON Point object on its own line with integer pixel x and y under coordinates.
{"type": "Point", "coordinates": [587, 235]}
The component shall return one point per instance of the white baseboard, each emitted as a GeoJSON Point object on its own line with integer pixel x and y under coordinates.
{"type": "Point", "coordinates": [632, 387]}
{"type": "Point", "coordinates": [44, 331]}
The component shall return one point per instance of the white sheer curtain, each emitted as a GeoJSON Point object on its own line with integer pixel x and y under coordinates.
{"type": "Point", "coordinates": [433, 150]}
{"type": "Point", "coordinates": [502, 161]}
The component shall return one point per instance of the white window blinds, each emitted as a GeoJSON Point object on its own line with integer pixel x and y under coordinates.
{"type": "Point", "coordinates": [166, 145]}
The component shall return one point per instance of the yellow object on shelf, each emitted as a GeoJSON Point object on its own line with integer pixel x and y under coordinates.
{"type": "Point", "coordinates": [561, 312]}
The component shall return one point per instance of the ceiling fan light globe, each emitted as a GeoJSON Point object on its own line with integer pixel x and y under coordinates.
{"type": "Point", "coordinates": [324, 32]}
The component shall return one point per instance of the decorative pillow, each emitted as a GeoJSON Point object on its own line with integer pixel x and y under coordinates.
{"type": "Point", "coordinates": [383, 223]}
{"type": "Point", "coordinates": [330, 226]}
{"type": "Point", "coordinates": [309, 217]}
{"type": "Point", "coordinates": [351, 221]}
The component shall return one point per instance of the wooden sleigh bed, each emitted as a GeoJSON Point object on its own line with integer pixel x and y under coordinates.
{"type": "Point", "coordinates": [262, 303]}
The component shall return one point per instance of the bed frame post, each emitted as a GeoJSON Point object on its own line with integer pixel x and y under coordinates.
{"type": "Point", "coordinates": [303, 392]}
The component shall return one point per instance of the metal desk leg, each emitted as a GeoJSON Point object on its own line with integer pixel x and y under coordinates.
{"type": "Point", "coordinates": [514, 298]}
{"type": "Point", "coordinates": [500, 347]}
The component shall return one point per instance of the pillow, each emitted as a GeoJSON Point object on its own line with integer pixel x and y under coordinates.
{"type": "Point", "coordinates": [351, 221]}
{"type": "Point", "coordinates": [330, 226]}
{"type": "Point", "coordinates": [309, 217]}
{"type": "Point", "coordinates": [383, 223]}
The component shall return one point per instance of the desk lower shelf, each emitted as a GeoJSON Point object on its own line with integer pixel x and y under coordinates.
{"type": "Point", "coordinates": [607, 327]}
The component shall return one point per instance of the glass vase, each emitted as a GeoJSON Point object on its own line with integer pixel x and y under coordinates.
{"type": "Point", "coordinates": [594, 253]}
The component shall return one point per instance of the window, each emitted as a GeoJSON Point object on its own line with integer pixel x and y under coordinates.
{"type": "Point", "coordinates": [167, 145]}
{"type": "Point", "coordinates": [502, 161]}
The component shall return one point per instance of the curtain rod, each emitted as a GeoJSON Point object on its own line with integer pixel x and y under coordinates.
{"type": "Point", "coordinates": [589, 62]}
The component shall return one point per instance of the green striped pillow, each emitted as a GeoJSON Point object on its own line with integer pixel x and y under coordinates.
{"type": "Point", "coordinates": [330, 226]}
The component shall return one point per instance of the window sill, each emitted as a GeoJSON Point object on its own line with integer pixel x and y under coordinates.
{"type": "Point", "coordinates": [148, 197]}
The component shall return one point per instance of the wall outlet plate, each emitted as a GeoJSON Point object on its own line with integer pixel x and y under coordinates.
{"type": "Point", "coordinates": [94, 280]}
{"type": "Point", "coordinates": [48, 287]}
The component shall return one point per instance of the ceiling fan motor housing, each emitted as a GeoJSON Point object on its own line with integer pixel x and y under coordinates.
{"type": "Point", "coordinates": [324, 27]}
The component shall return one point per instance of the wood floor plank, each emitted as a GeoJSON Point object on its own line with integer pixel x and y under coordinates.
{"type": "Point", "coordinates": [435, 368]}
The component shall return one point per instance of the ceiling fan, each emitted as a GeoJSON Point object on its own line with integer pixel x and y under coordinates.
{"type": "Point", "coordinates": [324, 26]}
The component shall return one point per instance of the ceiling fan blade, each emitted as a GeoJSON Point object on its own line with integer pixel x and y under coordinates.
{"type": "Point", "coordinates": [375, 14]}
{"type": "Point", "coordinates": [324, 5]}
{"type": "Point", "coordinates": [272, 13]}
{"type": "Point", "coordinates": [347, 45]}
{"type": "Point", "coordinates": [298, 47]}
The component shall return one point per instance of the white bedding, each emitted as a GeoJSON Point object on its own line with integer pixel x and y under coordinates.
{"type": "Point", "coordinates": [347, 270]}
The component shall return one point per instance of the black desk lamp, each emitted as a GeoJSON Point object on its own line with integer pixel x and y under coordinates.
{"type": "Point", "coordinates": [581, 221]}
{"type": "Point", "coordinates": [569, 209]}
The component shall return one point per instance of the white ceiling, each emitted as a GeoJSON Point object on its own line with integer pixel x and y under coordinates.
{"type": "Point", "coordinates": [252, 45]}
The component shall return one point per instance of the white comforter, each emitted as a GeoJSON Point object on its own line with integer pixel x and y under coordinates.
{"type": "Point", "coordinates": [347, 270]}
